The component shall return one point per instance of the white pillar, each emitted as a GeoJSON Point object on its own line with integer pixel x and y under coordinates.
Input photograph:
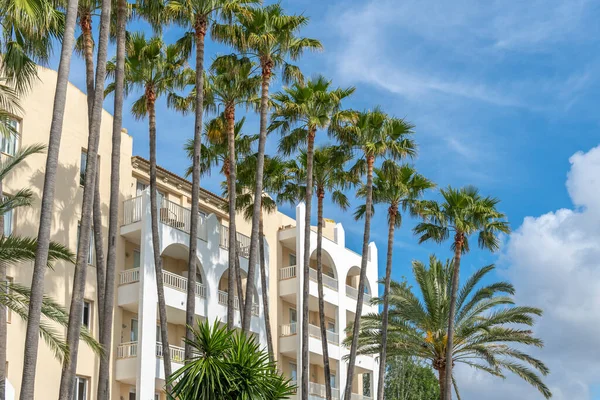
{"type": "Point", "coordinates": [300, 216]}
{"type": "Point", "coordinates": [146, 350]}
{"type": "Point", "coordinates": [340, 235]}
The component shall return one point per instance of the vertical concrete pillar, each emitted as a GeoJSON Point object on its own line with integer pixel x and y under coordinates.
{"type": "Point", "coordinates": [300, 215]}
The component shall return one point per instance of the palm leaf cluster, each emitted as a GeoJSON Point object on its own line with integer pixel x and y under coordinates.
{"type": "Point", "coordinates": [492, 333]}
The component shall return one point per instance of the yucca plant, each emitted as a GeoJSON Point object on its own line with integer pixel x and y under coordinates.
{"type": "Point", "coordinates": [491, 332]}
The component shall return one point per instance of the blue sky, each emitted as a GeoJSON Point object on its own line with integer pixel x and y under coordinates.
{"type": "Point", "coordinates": [503, 95]}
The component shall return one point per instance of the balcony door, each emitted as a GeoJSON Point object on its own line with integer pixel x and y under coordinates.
{"type": "Point", "coordinates": [293, 320]}
{"type": "Point", "coordinates": [133, 334]}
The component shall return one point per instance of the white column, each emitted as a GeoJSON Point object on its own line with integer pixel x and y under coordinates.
{"type": "Point", "coordinates": [212, 269]}
{"type": "Point", "coordinates": [340, 235]}
{"type": "Point", "coordinates": [300, 216]}
{"type": "Point", "coordinates": [146, 350]}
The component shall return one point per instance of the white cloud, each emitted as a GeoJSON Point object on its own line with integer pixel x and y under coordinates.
{"type": "Point", "coordinates": [554, 262]}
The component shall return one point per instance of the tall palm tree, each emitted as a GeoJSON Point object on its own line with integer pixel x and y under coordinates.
{"type": "Point", "coordinates": [270, 36]}
{"type": "Point", "coordinates": [89, 191]}
{"type": "Point", "coordinates": [106, 316]}
{"type": "Point", "coordinates": [299, 112]}
{"type": "Point", "coordinates": [228, 365]}
{"type": "Point", "coordinates": [400, 188]}
{"type": "Point", "coordinates": [491, 331]}
{"type": "Point", "coordinates": [276, 176]}
{"type": "Point", "coordinates": [195, 16]}
{"type": "Point", "coordinates": [231, 83]}
{"type": "Point", "coordinates": [47, 206]}
{"type": "Point", "coordinates": [463, 212]}
{"type": "Point", "coordinates": [29, 29]}
{"type": "Point", "coordinates": [157, 69]}
{"type": "Point", "coordinates": [370, 134]}
{"type": "Point", "coordinates": [330, 176]}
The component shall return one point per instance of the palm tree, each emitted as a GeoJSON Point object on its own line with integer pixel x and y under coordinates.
{"type": "Point", "coordinates": [371, 134]}
{"type": "Point", "coordinates": [227, 365]}
{"type": "Point", "coordinates": [270, 36]}
{"type": "Point", "coordinates": [29, 29]}
{"type": "Point", "coordinates": [89, 191]}
{"type": "Point", "coordinates": [157, 69]}
{"type": "Point", "coordinates": [195, 16]}
{"type": "Point", "coordinates": [329, 176]}
{"type": "Point", "coordinates": [300, 111]}
{"type": "Point", "coordinates": [275, 175]}
{"type": "Point", "coordinates": [47, 206]}
{"type": "Point", "coordinates": [488, 325]}
{"type": "Point", "coordinates": [231, 83]}
{"type": "Point", "coordinates": [106, 316]}
{"type": "Point", "coordinates": [400, 187]}
{"type": "Point", "coordinates": [463, 212]}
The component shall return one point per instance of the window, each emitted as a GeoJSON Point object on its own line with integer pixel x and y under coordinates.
{"type": "Point", "coordinates": [331, 326]}
{"type": "Point", "coordinates": [136, 259]}
{"type": "Point", "coordinates": [91, 257]}
{"type": "Point", "coordinates": [293, 319]}
{"type": "Point", "coordinates": [10, 144]}
{"type": "Point", "coordinates": [292, 260]}
{"type": "Point", "coordinates": [140, 187]}
{"type": "Point", "coordinates": [293, 372]}
{"type": "Point", "coordinates": [81, 388]}
{"type": "Point", "coordinates": [133, 334]}
{"type": "Point", "coordinates": [8, 222]}
{"type": "Point", "coordinates": [82, 167]}
{"type": "Point", "coordinates": [156, 396]}
{"type": "Point", "coordinates": [332, 381]}
{"type": "Point", "coordinates": [86, 317]}
{"type": "Point", "coordinates": [131, 395]}
{"type": "Point", "coordinates": [367, 385]}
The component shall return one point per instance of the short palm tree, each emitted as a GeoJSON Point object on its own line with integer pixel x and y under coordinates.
{"type": "Point", "coordinates": [157, 69]}
{"type": "Point", "coordinates": [195, 17]}
{"type": "Point", "coordinates": [370, 134]}
{"type": "Point", "coordinates": [232, 83]}
{"type": "Point", "coordinates": [463, 212]}
{"type": "Point", "coordinates": [400, 187]}
{"type": "Point", "coordinates": [329, 176]}
{"type": "Point", "coordinates": [275, 178]}
{"type": "Point", "coordinates": [491, 331]}
{"type": "Point", "coordinates": [270, 36]}
{"type": "Point", "coordinates": [299, 112]}
{"type": "Point", "coordinates": [227, 365]}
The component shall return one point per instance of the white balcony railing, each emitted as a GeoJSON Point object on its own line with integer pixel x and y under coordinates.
{"type": "Point", "coordinates": [132, 210]}
{"type": "Point", "coordinates": [353, 294]}
{"type": "Point", "coordinates": [328, 281]}
{"type": "Point", "coordinates": [170, 279]}
{"type": "Point", "coordinates": [315, 331]}
{"type": "Point", "coordinates": [318, 390]}
{"type": "Point", "coordinates": [288, 329]}
{"type": "Point", "coordinates": [243, 241]}
{"type": "Point", "coordinates": [359, 397]}
{"type": "Point", "coordinates": [129, 276]}
{"type": "Point", "coordinates": [177, 353]}
{"type": "Point", "coordinates": [170, 213]}
{"type": "Point", "coordinates": [224, 298]}
{"type": "Point", "coordinates": [127, 350]}
{"type": "Point", "coordinates": [287, 272]}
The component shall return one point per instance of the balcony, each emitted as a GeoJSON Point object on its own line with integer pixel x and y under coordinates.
{"type": "Point", "coordinates": [288, 342]}
{"type": "Point", "coordinates": [316, 391]}
{"type": "Point", "coordinates": [290, 273]}
{"type": "Point", "coordinates": [243, 241]}
{"type": "Point", "coordinates": [353, 294]}
{"type": "Point", "coordinates": [170, 279]}
{"type": "Point", "coordinates": [126, 366]}
{"type": "Point", "coordinates": [224, 298]}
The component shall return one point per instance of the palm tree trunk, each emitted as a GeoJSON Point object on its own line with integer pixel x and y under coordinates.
{"type": "Point", "coordinates": [363, 275]}
{"type": "Point", "coordinates": [386, 302]}
{"type": "Point", "coordinates": [458, 245]}
{"type": "Point", "coordinates": [3, 320]}
{"type": "Point", "coordinates": [85, 23]}
{"type": "Point", "coordinates": [265, 288]}
{"type": "Point", "coordinates": [79, 279]}
{"type": "Point", "coordinates": [154, 207]}
{"type": "Point", "coordinates": [238, 282]}
{"type": "Point", "coordinates": [190, 310]}
{"type": "Point", "coordinates": [99, 250]}
{"type": "Point", "coordinates": [233, 273]}
{"type": "Point", "coordinates": [442, 379]}
{"type": "Point", "coordinates": [47, 206]}
{"type": "Point", "coordinates": [324, 343]}
{"type": "Point", "coordinates": [113, 213]}
{"type": "Point", "coordinates": [267, 66]}
{"type": "Point", "coordinates": [306, 261]}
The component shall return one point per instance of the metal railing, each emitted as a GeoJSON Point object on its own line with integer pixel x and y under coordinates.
{"type": "Point", "coordinates": [127, 350]}
{"type": "Point", "coordinates": [129, 276]}
{"type": "Point", "coordinates": [287, 272]}
{"type": "Point", "coordinates": [288, 330]}
{"type": "Point", "coordinates": [170, 279]}
{"type": "Point", "coordinates": [353, 294]}
{"type": "Point", "coordinates": [243, 241]}
{"type": "Point", "coordinates": [177, 353]}
{"type": "Point", "coordinates": [224, 298]}
{"type": "Point", "coordinates": [132, 210]}
{"type": "Point", "coordinates": [328, 281]}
